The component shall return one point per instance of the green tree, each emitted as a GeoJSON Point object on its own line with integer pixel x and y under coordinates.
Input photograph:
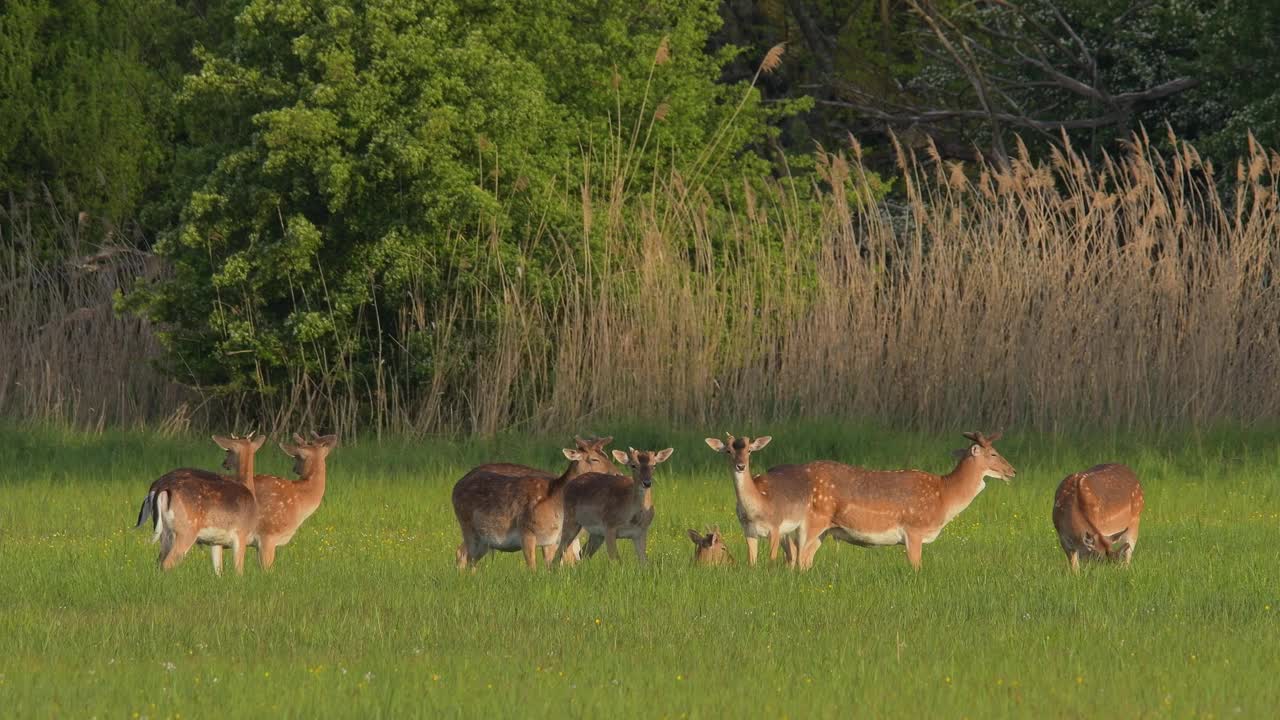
{"type": "Point", "coordinates": [342, 149]}
{"type": "Point", "coordinates": [86, 99]}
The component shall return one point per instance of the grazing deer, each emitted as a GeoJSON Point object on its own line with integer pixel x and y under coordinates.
{"type": "Point", "coordinates": [507, 507]}
{"type": "Point", "coordinates": [905, 507]}
{"type": "Point", "coordinates": [283, 505]}
{"type": "Point", "coordinates": [709, 549]}
{"type": "Point", "coordinates": [190, 506]}
{"type": "Point", "coordinates": [772, 504]}
{"type": "Point", "coordinates": [613, 506]}
{"type": "Point", "coordinates": [1096, 513]}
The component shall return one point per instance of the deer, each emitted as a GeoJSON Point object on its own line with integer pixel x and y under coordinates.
{"type": "Point", "coordinates": [283, 505]}
{"type": "Point", "coordinates": [771, 505]}
{"type": "Point", "coordinates": [190, 506]}
{"type": "Point", "coordinates": [510, 508]}
{"type": "Point", "coordinates": [1096, 514]}
{"type": "Point", "coordinates": [613, 506]}
{"type": "Point", "coordinates": [874, 508]}
{"type": "Point", "coordinates": [709, 549]}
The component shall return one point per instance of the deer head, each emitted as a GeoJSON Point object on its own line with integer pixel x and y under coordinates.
{"type": "Point", "coordinates": [642, 463]}
{"type": "Point", "coordinates": [984, 454]}
{"type": "Point", "coordinates": [589, 456]}
{"type": "Point", "coordinates": [238, 449]}
{"type": "Point", "coordinates": [306, 453]}
{"type": "Point", "coordinates": [738, 450]}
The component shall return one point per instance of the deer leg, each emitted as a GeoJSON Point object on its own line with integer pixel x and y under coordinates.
{"type": "Point", "coordinates": [641, 543]}
{"type": "Point", "coordinates": [593, 545]}
{"type": "Point", "coordinates": [1073, 557]}
{"type": "Point", "coordinates": [611, 542]}
{"type": "Point", "coordinates": [753, 547]}
{"type": "Point", "coordinates": [792, 549]}
{"type": "Point", "coordinates": [182, 542]}
{"type": "Point", "coordinates": [266, 553]}
{"type": "Point", "coordinates": [1130, 540]}
{"type": "Point", "coordinates": [914, 549]}
{"type": "Point", "coordinates": [568, 534]}
{"type": "Point", "coordinates": [574, 554]}
{"type": "Point", "coordinates": [238, 549]}
{"type": "Point", "coordinates": [775, 541]}
{"type": "Point", "coordinates": [215, 554]}
{"type": "Point", "coordinates": [529, 544]}
{"type": "Point", "coordinates": [810, 541]}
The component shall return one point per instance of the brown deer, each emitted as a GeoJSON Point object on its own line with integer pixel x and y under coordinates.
{"type": "Point", "coordinates": [190, 506]}
{"type": "Point", "coordinates": [507, 507]}
{"type": "Point", "coordinates": [709, 549]}
{"type": "Point", "coordinates": [772, 504]}
{"type": "Point", "coordinates": [283, 505]}
{"type": "Point", "coordinates": [613, 506]}
{"type": "Point", "coordinates": [904, 507]}
{"type": "Point", "coordinates": [1096, 513]}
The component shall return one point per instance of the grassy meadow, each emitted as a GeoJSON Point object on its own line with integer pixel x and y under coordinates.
{"type": "Point", "coordinates": [364, 614]}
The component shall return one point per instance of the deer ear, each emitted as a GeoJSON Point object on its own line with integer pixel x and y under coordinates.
{"type": "Point", "coordinates": [621, 457]}
{"type": "Point", "coordinates": [663, 455]}
{"type": "Point", "coordinates": [975, 449]}
{"type": "Point", "coordinates": [760, 442]}
{"type": "Point", "coordinates": [695, 537]}
{"type": "Point", "coordinates": [573, 455]}
{"type": "Point", "coordinates": [223, 442]}
{"type": "Point", "coordinates": [716, 444]}
{"type": "Point", "coordinates": [258, 442]}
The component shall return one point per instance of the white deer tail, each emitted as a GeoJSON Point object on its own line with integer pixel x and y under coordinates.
{"type": "Point", "coordinates": [161, 509]}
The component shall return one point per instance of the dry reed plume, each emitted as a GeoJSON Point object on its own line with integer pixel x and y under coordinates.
{"type": "Point", "coordinates": [1042, 295]}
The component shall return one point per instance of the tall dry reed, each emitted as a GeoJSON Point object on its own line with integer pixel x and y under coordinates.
{"type": "Point", "coordinates": [65, 355]}
{"type": "Point", "coordinates": [1045, 295]}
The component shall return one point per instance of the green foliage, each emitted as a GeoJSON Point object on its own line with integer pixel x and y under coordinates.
{"type": "Point", "coordinates": [85, 99]}
{"type": "Point", "coordinates": [1240, 46]}
{"type": "Point", "coordinates": [345, 149]}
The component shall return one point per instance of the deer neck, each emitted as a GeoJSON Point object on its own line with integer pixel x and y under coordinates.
{"type": "Point", "coordinates": [961, 486]}
{"type": "Point", "coordinates": [643, 496]}
{"type": "Point", "coordinates": [556, 486]}
{"type": "Point", "coordinates": [314, 479]}
{"type": "Point", "coordinates": [244, 472]}
{"type": "Point", "coordinates": [749, 496]}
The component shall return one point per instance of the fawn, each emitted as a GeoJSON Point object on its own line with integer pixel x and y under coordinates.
{"type": "Point", "coordinates": [190, 506]}
{"type": "Point", "coordinates": [709, 549]}
{"type": "Point", "coordinates": [499, 508]}
{"type": "Point", "coordinates": [904, 507]}
{"type": "Point", "coordinates": [1096, 513]}
{"type": "Point", "coordinates": [613, 506]}
{"type": "Point", "coordinates": [772, 504]}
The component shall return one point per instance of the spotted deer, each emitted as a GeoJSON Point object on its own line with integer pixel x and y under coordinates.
{"type": "Point", "coordinates": [283, 505]}
{"type": "Point", "coordinates": [709, 549]}
{"type": "Point", "coordinates": [874, 508]}
{"type": "Point", "coordinates": [770, 505]}
{"type": "Point", "coordinates": [1096, 514]}
{"type": "Point", "coordinates": [190, 506]}
{"type": "Point", "coordinates": [507, 507]}
{"type": "Point", "coordinates": [611, 506]}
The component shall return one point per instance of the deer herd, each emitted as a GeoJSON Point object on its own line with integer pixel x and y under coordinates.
{"type": "Point", "coordinates": [509, 508]}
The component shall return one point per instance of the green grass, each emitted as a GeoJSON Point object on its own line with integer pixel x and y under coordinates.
{"type": "Point", "coordinates": [365, 615]}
